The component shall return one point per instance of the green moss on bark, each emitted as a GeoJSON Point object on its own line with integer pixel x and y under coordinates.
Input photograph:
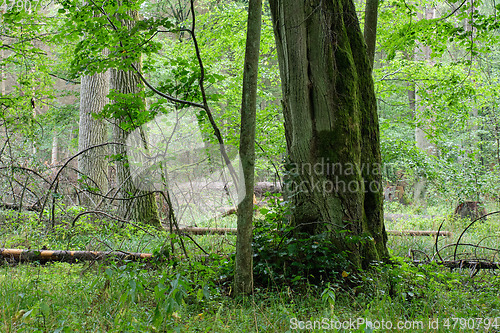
{"type": "Point", "coordinates": [339, 107]}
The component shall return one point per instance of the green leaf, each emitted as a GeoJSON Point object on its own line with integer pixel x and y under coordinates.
{"type": "Point", "coordinates": [44, 308]}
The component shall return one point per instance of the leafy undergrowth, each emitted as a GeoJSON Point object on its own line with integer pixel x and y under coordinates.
{"type": "Point", "coordinates": [130, 297]}
{"type": "Point", "coordinates": [194, 295]}
{"type": "Point", "coordinates": [26, 231]}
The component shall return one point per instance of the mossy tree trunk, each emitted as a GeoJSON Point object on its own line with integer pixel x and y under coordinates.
{"type": "Point", "coordinates": [331, 126]}
{"type": "Point", "coordinates": [243, 277]}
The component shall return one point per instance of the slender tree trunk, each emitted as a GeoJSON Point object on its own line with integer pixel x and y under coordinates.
{"type": "Point", "coordinates": [370, 31]}
{"type": "Point", "coordinates": [92, 164]}
{"type": "Point", "coordinates": [55, 148]}
{"type": "Point", "coordinates": [2, 67]}
{"type": "Point", "coordinates": [243, 278]}
{"type": "Point", "coordinates": [143, 208]}
{"type": "Point", "coordinates": [331, 125]}
{"type": "Point", "coordinates": [474, 110]}
{"type": "Point", "coordinates": [411, 99]}
{"type": "Point", "coordinates": [423, 128]}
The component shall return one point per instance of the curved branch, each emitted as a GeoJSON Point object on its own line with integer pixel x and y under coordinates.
{"type": "Point", "coordinates": [110, 216]}
{"type": "Point", "coordinates": [463, 232]}
{"type": "Point", "coordinates": [168, 97]}
{"type": "Point", "coordinates": [454, 11]}
{"type": "Point", "coordinates": [436, 242]}
{"type": "Point", "coordinates": [66, 163]}
{"type": "Point", "coordinates": [205, 102]}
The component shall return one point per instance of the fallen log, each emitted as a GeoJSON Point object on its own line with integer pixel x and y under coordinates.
{"type": "Point", "coordinates": [207, 231]}
{"type": "Point", "coordinates": [419, 233]}
{"type": "Point", "coordinates": [223, 231]}
{"type": "Point", "coordinates": [33, 208]}
{"type": "Point", "coordinates": [20, 255]}
{"type": "Point", "coordinates": [408, 217]}
{"type": "Point", "coordinates": [387, 216]}
{"type": "Point", "coordinates": [471, 264]}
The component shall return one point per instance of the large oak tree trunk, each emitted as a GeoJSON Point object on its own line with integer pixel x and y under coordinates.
{"type": "Point", "coordinates": [331, 122]}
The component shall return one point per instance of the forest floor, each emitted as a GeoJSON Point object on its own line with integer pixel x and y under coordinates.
{"type": "Point", "coordinates": [180, 295]}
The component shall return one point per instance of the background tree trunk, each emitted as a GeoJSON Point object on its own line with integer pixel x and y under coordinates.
{"type": "Point", "coordinates": [243, 278]}
{"type": "Point", "coordinates": [55, 148]}
{"type": "Point", "coordinates": [93, 97]}
{"type": "Point", "coordinates": [423, 129]}
{"type": "Point", "coordinates": [143, 208]}
{"type": "Point", "coordinates": [370, 30]}
{"type": "Point", "coordinates": [2, 66]}
{"type": "Point", "coordinates": [331, 119]}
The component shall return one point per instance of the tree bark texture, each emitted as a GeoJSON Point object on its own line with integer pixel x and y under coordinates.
{"type": "Point", "coordinates": [93, 165]}
{"type": "Point", "coordinates": [370, 30]}
{"type": "Point", "coordinates": [143, 208]}
{"type": "Point", "coordinates": [331, 126]}
{"type": "Point", "coordinates": [243, 278]}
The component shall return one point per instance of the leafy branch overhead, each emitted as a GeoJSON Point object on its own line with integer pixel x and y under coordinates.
{"type": "Point", "coordinates": [439, 32]}
{"type": "Point", "coordinates": [97, 33]}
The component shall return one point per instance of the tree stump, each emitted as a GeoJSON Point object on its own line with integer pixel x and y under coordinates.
{"type": "Point", "coordinates": [395, 193]}
{"type": "Point", "coordinates": [470, 209]}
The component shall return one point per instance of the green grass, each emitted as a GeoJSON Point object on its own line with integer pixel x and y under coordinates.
{"type": "Point", "coordinates": [194, 295]}
{"type": "Point", "coordinates": [75, 298]}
